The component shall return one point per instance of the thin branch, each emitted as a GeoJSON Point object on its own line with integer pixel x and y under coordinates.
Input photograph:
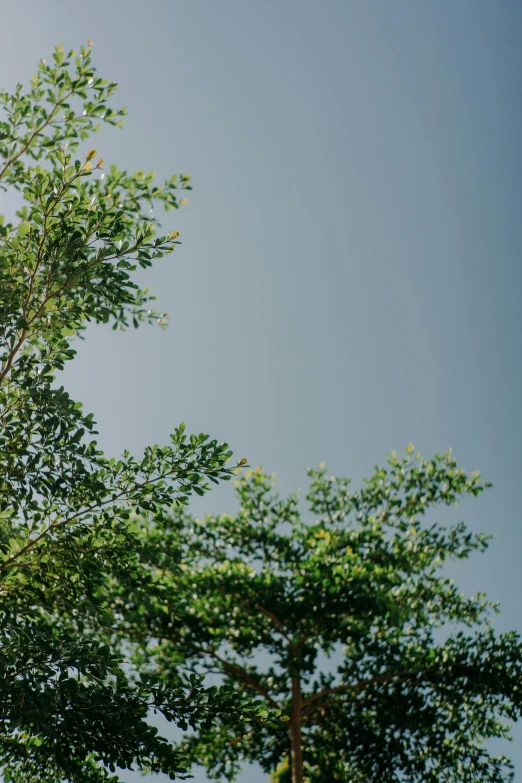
{"type": "Point", "coordinates": [247, 678]}
{"type": "Point", "coordinates": [356, 686]}
{"type": "Point", "coordinates": [42, 127]}
{"type": "Point", "coordinates": [277, 622]}
{"type": "Point", "coordinates": [233, 668]}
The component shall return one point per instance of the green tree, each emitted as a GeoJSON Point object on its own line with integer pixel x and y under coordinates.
{"type": "Point", "coordinates": [70, 706]}
{"type": "Point", "coordinates": [346, 622]}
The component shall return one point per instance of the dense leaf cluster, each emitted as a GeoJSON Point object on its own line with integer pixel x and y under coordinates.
{"type": "Point", "coordinates": [70, 708]}
{"type": "Point", "coordinates": [345, 622]}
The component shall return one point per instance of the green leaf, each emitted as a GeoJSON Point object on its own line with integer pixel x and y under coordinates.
{"type": "Point", "coordinates": [23, 229]}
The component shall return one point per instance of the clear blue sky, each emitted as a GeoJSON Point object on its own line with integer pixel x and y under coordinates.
{"type": "Point", "coordinates": [350, 276]}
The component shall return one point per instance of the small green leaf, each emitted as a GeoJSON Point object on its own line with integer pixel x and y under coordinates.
{"type": "Point", "coordinates": [23, 228]}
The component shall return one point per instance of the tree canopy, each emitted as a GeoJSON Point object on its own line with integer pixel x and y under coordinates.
{"type": "Point", "coordinates": [345, 621]}
{"type": "Point", "coordinates": [70, 708]}
{"type": "Point", "coordinates": [330, 648]}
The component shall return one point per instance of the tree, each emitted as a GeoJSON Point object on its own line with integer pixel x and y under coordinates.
{"type": "Point", "coordinates": [71, 707]}
{"type": "Point", "coordinates": [382, 670]}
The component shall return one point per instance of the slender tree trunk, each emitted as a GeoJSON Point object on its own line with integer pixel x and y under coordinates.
{"type": "Point", "coordinates": [296, 742]}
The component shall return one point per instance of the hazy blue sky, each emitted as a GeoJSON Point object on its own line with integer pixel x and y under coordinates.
{"type": "Point", "coordinates": [350, 278]}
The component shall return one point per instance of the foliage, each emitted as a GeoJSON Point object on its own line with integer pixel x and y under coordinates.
{"type": "Point", "coordinates": [70, 708]}
{"type": "Point", "coordinates": [383, 671]}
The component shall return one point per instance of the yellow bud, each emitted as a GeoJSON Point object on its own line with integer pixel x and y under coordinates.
{"type": "Point", "coordinates": [44, 62]}
{"type": "Point", "coordinates": [100, 162]}
{"type": "Point", "coordinates": [89, 42]}
{"type": "Point", "coordinates": [242, 462]}
{"type": "Point", "coordinates": [91, 154]}
{"type": "Point", "coordinates": [173, 234]}
{"type": "Point", "coordinates": [410, 449]}
{"type": "Point", "coordinates": [183, 202]}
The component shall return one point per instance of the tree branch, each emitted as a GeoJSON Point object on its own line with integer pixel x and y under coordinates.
{"type": "Point", "coordinates": [380, 678]}
{"type": "Point", "coordinates": [243, 675]}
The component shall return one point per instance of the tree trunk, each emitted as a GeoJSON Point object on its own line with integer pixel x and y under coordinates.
{"type": "Point", "coordinates": [295, 733]}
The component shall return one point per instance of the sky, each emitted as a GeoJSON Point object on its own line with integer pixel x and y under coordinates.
{"type": "Point", "coordinates": [349, 279]}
